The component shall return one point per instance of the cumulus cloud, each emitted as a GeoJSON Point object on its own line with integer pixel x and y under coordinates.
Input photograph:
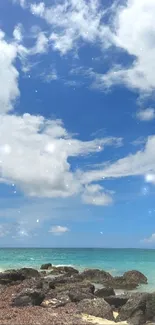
{"type": "Point", "coordinates": [147, 114]}
{"type": "Point", "coordinates": [9, 90]}
{"type": "Point", "coordinates": [58, 230]}
{"type": "Point", "coordinates": [34, 155]}
{"type": "Point", "coordinates": [134, 33]}
{"type": "Point", "coordinates": [94, 194]}
{"type": "Point", "coordinates": [150, 240]}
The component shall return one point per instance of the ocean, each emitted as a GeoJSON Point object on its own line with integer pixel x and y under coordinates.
{"type": "Point", "coordinates": [116, 261]}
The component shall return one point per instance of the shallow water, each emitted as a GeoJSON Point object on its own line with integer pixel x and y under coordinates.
{"type": "Point", "coordinates": [116, 261]}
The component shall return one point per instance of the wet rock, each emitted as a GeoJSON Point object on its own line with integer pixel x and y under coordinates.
{"type": "Point", "coordinates": [117, 301]}
{"type": "Point", "coordinates": [150, 307]}
{"type": "Point", "coordinates": [97, 276]}
{"type": "Point", "coordinates": [120, 282]}
{"type": "Point", "coordinates": [104, 292]}
{"type": "Point", "coordinates": [97, 307]}
{"type": "Point", "coordinates": [135, 276]}
{"type": "Point", "coordinates": [46, 266]}
{"type": "Point", "coordinates": [28, 297]}
{"type": "Point", "coordinates": [136, 302]}
{"type": "Point", "coordinates": [64, 270]}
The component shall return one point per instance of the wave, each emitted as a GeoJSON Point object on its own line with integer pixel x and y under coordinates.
{"type": "Point", "coordinates": [62, 265]}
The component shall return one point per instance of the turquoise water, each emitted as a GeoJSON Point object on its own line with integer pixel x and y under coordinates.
{"type": "Point", "coordinates": [116, 261]}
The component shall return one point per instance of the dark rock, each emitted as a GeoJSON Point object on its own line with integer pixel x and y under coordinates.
{"type": "Point", "coordinates": [97, 307]}
{"type": "Point", "coordinates": [46, 266]}
{"type": "Point", "coordinates": [11, 276]}
{"type": "Point", "coordinates": [28, 297]}
{"type": "Point", "coordinates": [29, 272]}
{"type": "Point", "coordinates": [104, 292]}
{"type": "Point", "coordinates": [150, 307]}
{"type": "Point", "coordinates": [43, 272]}
{"type": "Point", "coordinates": [136, 302]}
{"type": "Point", "coordinates": [16, 276]}
{"type": "Point", "coordinates": [117, 301]}
{"type": "Point", "coordinates": [97, 276]}
{"type": "Point", "coordinates": [77, 295]}
{"type": "Point", "coordinates": [137, 318]}
{"type": "Point", "coordinates": [63, 270]}
{"type": "Point", "coordinates": [135, 276]}
{"type": "Point", "coordinates": [119, 282]}
{"type": "Point", "coordinates": [84, 286]}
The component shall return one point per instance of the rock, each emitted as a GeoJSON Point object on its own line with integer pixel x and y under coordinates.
{"type": "Point", "coordinates": [135, 276]}
{"type": "Point", "coordinates": [119, 282]}
{"type": "Point", "coordinates": [14, 276]}
{"type": "Point", "coordinates": [28, 297]}
{"type": "Point", "coordinates": [10, 277]}
{"type": "Point", "coordinates": [77, 295]}
{"type": "Point", "coordinates": [43, 272]}
{"type": "Point", "coordinates": [136, 302]}
{"type": "Point", "coordinates": [60, 280]}
{"type": "Point", "coordinates": [117, 301]}
{"type": "Point", "coordinates": [138, 318]}
{"type": "Point", "coordinates": [55, 302]}
{"type": "Point", "coordinates": [104, 292]}
{"type": "Point", "coordinates": [29, 272]}
{"type": "Point", "coordinates": [46, 266]}
{"type": "Point", "coordinates": [84, 286]}
{"type": "Point", "coordinates": [97, 276]}
{"type": "Point", "coordinates": [150, 307]}
{"type": "Point", "coordinates": [63, 270]}
{"type": "Point", "coordinates": [97, 307]}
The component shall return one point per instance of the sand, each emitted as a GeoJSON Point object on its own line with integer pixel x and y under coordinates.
{"type": "Point", "coordinates": [101, 321]}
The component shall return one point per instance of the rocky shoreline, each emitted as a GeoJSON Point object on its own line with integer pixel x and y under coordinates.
{"type": "Point", "coordinates": [63, 296]}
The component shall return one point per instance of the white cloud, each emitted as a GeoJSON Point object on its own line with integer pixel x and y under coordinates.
{"type": "Point", "coordinates": [146, 115]}
{"type": "Point", "coordinates": [94, 194]}
{"type": "Point", "coordinates": [58, 230]}
{"type": "Point", "coordinates": [8, 75]}
{"type": "Point", "coordinates": [74, 21]}
{"type": "Point", "coordinates": [34, 155]}
{"type": "Point", "coordinates": [41, 45]}
{"type": "Point", "coordinates": [50, 75]}
{"type": "Point", "coordinates": [17, 33]}
{"type": "Point", "coordinates": [38, 9]}
{"type": "Point", "coordinates": [140, 163]}
{"type": "Point", "coordinates": [135, 33]}
{"type": "Point", "coordinates": [139, 141]}
{"type": "Point", "coordinates": [150, 240]}
{"type": "Point", "coordinates": [21, 2]}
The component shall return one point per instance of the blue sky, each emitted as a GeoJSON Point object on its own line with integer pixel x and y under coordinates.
{"type": "Point", "coordinates": [77, 123]}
